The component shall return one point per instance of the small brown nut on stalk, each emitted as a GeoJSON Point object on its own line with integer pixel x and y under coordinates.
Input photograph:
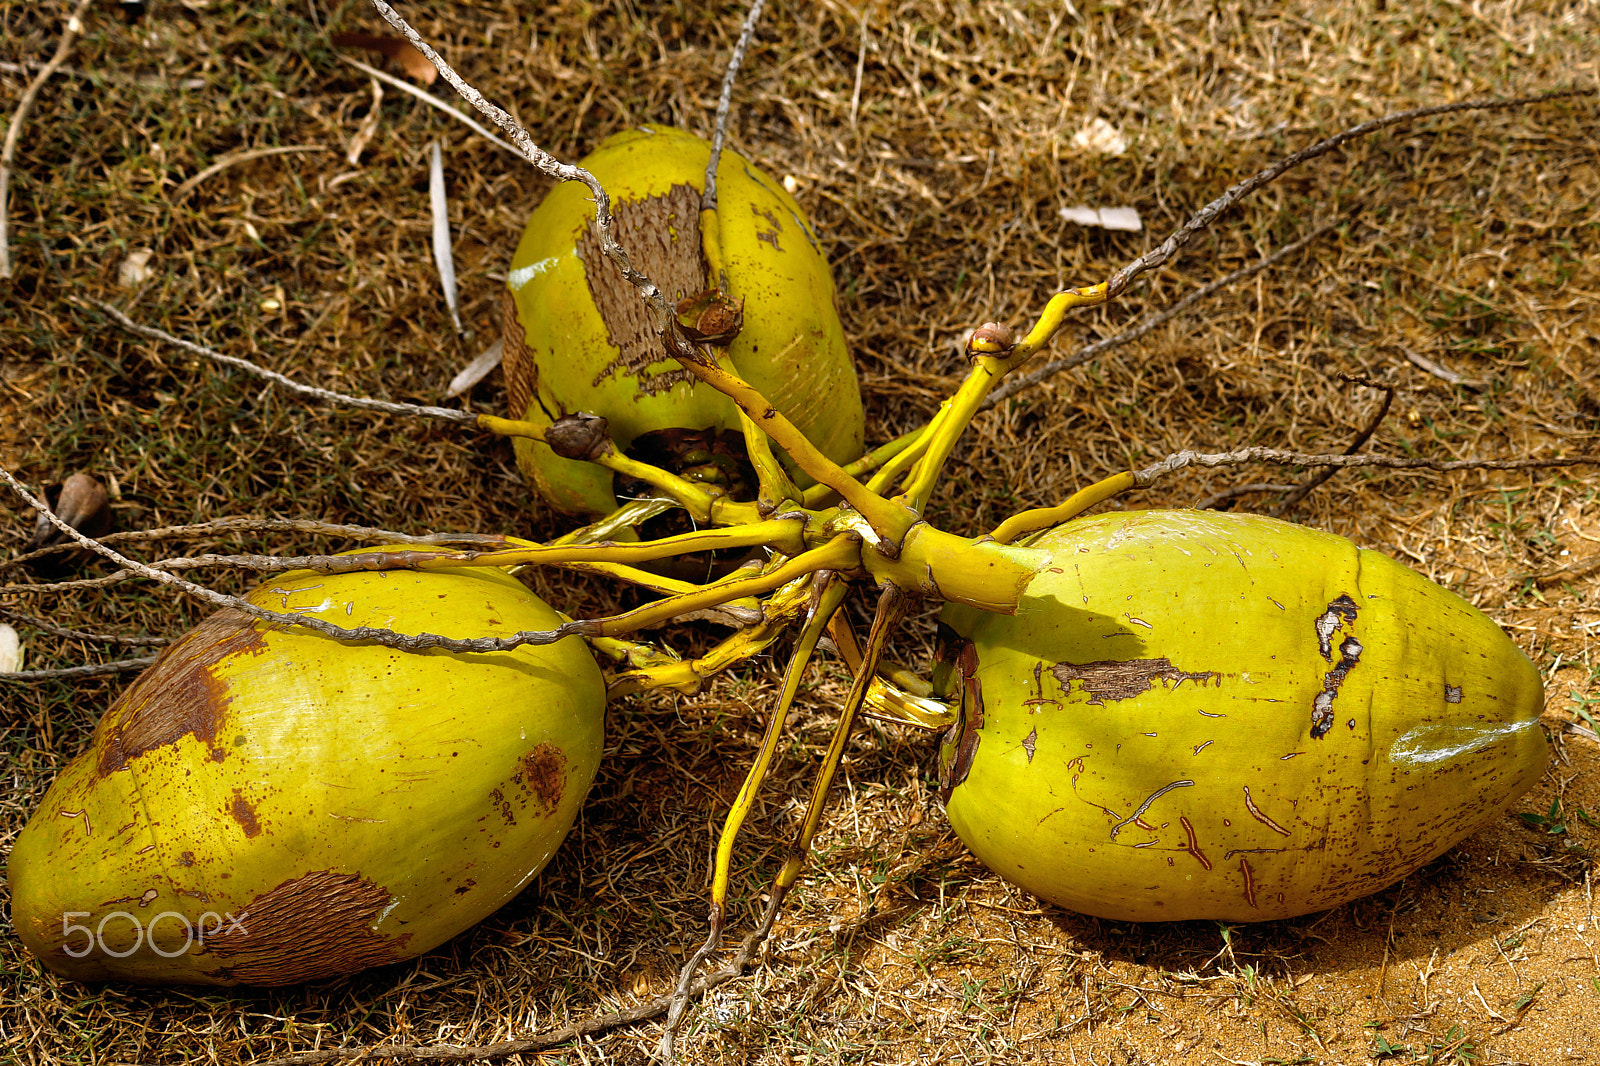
{"type": "Point", "coordinates": [579, 436]}
{"type": "Point", "coordinates": [991, 338]}
{"type": "Point", "coordinates": [710, 317]}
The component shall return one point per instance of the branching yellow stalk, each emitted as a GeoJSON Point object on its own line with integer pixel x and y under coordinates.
{"type": "Point", "coordinates": [774, 488]}
{"type": "Point", "coordinates": [891, 696]}
{"type": "Point", "coordinates": [913, 450]}
{"type": "Point", "coordinates": [821, 611]}
{"type": "Point", "coordinates": [993, 357]}
{"type": "Point", "coordinates": [784, 535]}
{"type": "Point", "coordinates": [686, 676]}
{"type": "Point", "coordinates": [891, 605]}
{"type": "Point", "coordinates": [637, 654]}
{"type": "Point", "coordinates": [843, 552]}
{"type": "Point", "coordinates": [620, 522]}
{"type": "Point", "coordinates": [695, 498]}
{"type": "Point", "coordinates": [1052, 318]}
{"type": "Point", "coordinates": [946, 428]}
{"type": "Point", "coordinates": [817, 495]}
{"type": "Point", "coordinates": [890, 521]}
{"type": "Point", "coordinates": [746, 611]}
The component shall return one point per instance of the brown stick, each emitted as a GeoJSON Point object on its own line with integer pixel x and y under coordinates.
{"type": "Point", "coordinates": [389, 638]}
{"type": "Point", "coordinates": [20, 116]}
{"type": "Point", "coordinates": [1238, 191]}
{"type": "Point", "coordinates": [719, 126]}
{"type": "Point", "coordinates": [1016, 384]}
{"type": "Point", "coordinates": [91, 670]}
{"type": "Point", "coordinates": [242, 524]}
{"type": "Point", "coordinates": [78, 634]}
{"type": "Point", "coordinates": [1305, 488]}
{"type": "Point", "coordinates": [522, 1044]}
{"type": "Point", "coordinates": [546, 164]}
{"type": "Point", "coordinates": [1179, 460]}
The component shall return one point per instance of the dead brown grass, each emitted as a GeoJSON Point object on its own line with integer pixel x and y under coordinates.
{"type": "Point", "coordinates": [936, 178]}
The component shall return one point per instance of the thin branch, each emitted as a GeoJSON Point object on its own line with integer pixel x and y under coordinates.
{"type": "Point", "coordinates": [386, 637]}
{"type": "Point", "coordinates": [1305, 488]}
{"type": "Point", "coordinates": [1440, 371]}
{"type": "Point", "coordinates": [325, 395]}
{"type": "Point", "coordinates": [538, 1042]}
{"type": "Point", "coordinates": [240, 157]}
{"type": "Point", "coordinates": [1235, 491]}
{"type": "Point", "coordinates": [244, 524]}
{"type": "Point", "coordinates": [1013, 385]}
{"type": "Point", "coordinates": [429, 99]}
{"type": "Point", "coordinates": [78, 634]}
{"type": "Point", "coordinates": [546, 164]}
{"type": "Point", "coordinates": [121, 666]}
{"type": "Point", "coordinates": [19, 118]}
{"type": "Point", "coordinates": [1208, 214]}
{"type": "Point", "coordinates": [1179, 460]}
{"type": "Point", "coordinates": [261, 564]}
{"type": "Point", "coordinates": [719, 128]}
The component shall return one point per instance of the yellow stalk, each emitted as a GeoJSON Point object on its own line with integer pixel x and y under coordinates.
{"type": "Point", "coordinates": [665, 585]}
{"type": "Point", "coordinates": [843, 552]}
{"type": "Point", "coordinates": [1074, 505]}
{"type": "Point", "coordinates": [991, 362]}
{"type": "Point", "coordinates": [782, 535]}
{"type": "Point", "coordinates": [686, 677]}
{"type": "Point", "coordinates": [888, 520]}
{"type": "Point", "coordinates": [816, 495]}
{"type": "Point", "coordinates": [893, 696]}
{"type": "Point", "coordinates": [694, 498]}
{"type": "Point", "coordinates": [891, 604]}
{"type": "Point", "coordinates": [827, 603]}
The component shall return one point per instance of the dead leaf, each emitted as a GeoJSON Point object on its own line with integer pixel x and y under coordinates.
{"type": "Point", "coordinates": [478, 369]}
{"type": "Point", "coordinates": [135, 270]}
{"type": "Point", "coordinates": [1100, 137]}
{"type": "Point", "coordinates": [413, 62]}
{"type": "Point", "coordinates": [369, 126]}
{"type": "Point", "coordinates": [1118, 218]}
{"type": "Point", "coordinates": [83, 503]}
{"type": "Point", "coordinates": [10, 650]}
{"type": "Point", "coordinates": [443, 255]}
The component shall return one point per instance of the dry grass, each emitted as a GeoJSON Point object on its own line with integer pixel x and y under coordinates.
{"type": "Point", "coordinates": [936, 180]}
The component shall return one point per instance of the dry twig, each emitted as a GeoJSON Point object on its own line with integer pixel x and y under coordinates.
{"type": "Point", "coordinates": [325, 395]}
{"type": "Point", "coordinates": [1017, 382]}
{"type": "Point", "coordinates": [719, 130]}
{"type": "Point", "coordinates": [54, 630]}
{"type": "Point", "coordinates": [548, 165]}
{"type": "Point", "coordinates": [386, 637]}
{"type": "Point", "coordinates": [120, 666]}
{"type": "Point", "coordinates": [1179, 460]}
{"type": "Point", "coordinates": [19, 117]}
{"type": "Point", "coordinates": [1238, 191]}
{"type": "Point", "coordinates": [246, 524]}
{"type": "Point", "coordinates": [431, 100]}
{"type": "Point", "coordinates": [538, 1042]}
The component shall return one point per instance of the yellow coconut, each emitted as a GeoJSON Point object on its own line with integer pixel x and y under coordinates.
{"type": "Point", "coordinates": [266, 805]}
{"type": "Point", "coordinates": [1202, 715]}
{"type": "Point", "coordinates": [579, 339]}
